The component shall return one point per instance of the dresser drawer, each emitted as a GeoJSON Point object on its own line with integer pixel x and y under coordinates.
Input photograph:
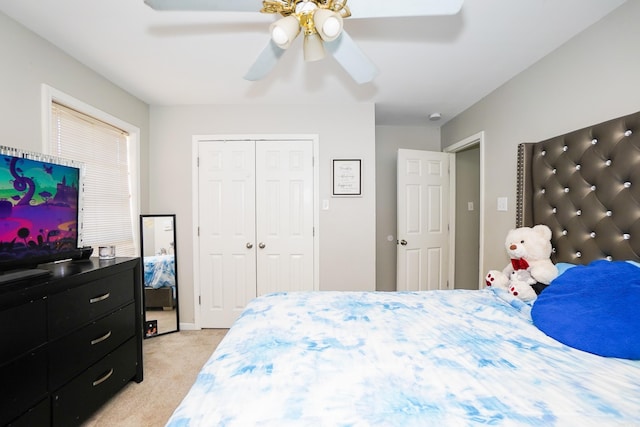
{"type": "Point", "coordinates": [78, 306]}
{"type": "Point", "coordinates": [39, 415]}
{"type": "Point", "coordinates": [89, 345]}
{"type": "Point", "coordinates": [22, 328]}
{"type": "Point", "coordinates": [76, 401]}
{"type": "Point", "coordinates": [24, 383]}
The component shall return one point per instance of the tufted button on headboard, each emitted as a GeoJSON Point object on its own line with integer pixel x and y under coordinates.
{"type": "Point", "coordinates": [585, 186]}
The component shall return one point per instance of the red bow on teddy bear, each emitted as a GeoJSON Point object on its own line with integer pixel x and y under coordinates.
{"type": "Point", "coordinates": [519, 264]}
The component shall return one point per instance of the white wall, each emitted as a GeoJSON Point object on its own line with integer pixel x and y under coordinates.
{"type": "Point", "coordinates": [590, 79]}
{"type": "Point", "coordinates": [27, 61]}
{"type": "Point", "coordinates": [388, 140]}
{"type": "Point", "coordinates": [347, 230]}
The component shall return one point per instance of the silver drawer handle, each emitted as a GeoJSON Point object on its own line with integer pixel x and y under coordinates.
{"type": "Point", "coordinates": [103, 379]}
{"type": "Point", "coordinates": [100, 298]}
{"type": "Point", "coordinates": [102, 338]}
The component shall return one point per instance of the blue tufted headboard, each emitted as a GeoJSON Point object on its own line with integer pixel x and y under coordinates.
{"type": "Point", "coordinates": [585, 185]}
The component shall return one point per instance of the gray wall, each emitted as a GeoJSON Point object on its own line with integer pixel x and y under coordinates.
{"type": "Point", "coordinates": [388, 140]}
{"type": "Point", "coordinates": [590, 79]}
{"type": "Point", "coordinates": [28, 61]}
{"type": "Point", "coordinates": [467, 222]}
{"type": "Point", "coordinates": [347, 232]}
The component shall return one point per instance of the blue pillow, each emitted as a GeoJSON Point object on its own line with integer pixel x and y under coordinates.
{"type": "Point", "coordinates": [594, 308]}
{"type": "Point", "coordinates": [564, 266]}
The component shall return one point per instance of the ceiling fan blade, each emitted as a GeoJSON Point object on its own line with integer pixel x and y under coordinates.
{"type": "Point", "coordinates": [402, 8]}
{"type": "Point", "coordinates": [214, 5]}
{"type": "Point", "coordinates": [352, 59]}
{"type": "Point", "coordinates": [265, 62]}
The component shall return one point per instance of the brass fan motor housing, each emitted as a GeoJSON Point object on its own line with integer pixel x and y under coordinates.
{"type": "Point", "coordinates": [288, 7]}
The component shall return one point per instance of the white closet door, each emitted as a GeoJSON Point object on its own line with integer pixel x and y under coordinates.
{"type": "Point", "coordinates": [256, 223]}
{"type": "Point", "coordinates": [227, 230]}
{"type": "Point", "coordinates": [284, 216]}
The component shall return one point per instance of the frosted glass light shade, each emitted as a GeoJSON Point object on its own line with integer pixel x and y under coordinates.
{"type": "Point", "coordinates": [313, 47]}
{"type": "Point", "coordinates": [328, 24]}
{"type": "Point", "coordinates": [284, 31]}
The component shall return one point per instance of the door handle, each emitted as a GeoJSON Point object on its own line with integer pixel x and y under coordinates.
{"type": "Point", "coordinates": [261, 245]}
{"type": "Point", "coordinates": [403, 242]}
{"type": "Point", "coordinates": [249, 245]}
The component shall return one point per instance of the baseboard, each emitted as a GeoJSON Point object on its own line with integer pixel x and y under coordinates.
{"type": "Point", "coordinates": [188, 327]}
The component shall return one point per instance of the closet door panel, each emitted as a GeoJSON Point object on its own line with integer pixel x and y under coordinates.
{"type": "Point", "coordinates": [227, 229]}
{"type": "Point", "coordinates": [284, 215]}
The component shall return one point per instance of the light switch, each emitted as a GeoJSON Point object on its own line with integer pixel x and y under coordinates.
{"type": "Point", "coordinates": [502, 204]}
{"type": "Point", "coordinates": [470, 206]}
{"type": "Point", "coordinates": [325, 205]}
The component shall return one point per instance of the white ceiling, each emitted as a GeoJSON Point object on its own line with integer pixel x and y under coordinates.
{"type": "Point", "coordinates": [427, 64]}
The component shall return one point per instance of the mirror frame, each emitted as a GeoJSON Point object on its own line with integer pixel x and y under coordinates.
{"type": "Point", "coordinates": [175, 261]}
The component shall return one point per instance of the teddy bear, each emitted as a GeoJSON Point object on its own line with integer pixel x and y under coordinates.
{"type": "Point", "coordinates": [520, 282]}
{"type": "Point", "coordinates": [530, 250]}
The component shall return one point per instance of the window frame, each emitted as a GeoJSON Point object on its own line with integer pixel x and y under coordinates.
{"type": "Point", "coordinates": [49, 95]}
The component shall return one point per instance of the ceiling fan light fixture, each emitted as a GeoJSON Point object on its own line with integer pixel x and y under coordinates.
{"type": "Point", "coordinates": [284, 31]}
{"type": "Point", "coordinates": [313, 47]}
{"type": "Point", "coordinates": [328, 24]}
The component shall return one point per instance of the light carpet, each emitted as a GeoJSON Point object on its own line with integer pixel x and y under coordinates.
{"type": "Point", "coordinates": [171, 364]}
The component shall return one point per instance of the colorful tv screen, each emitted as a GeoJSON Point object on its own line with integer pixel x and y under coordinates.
{"type": "Point", "coordinates": [38, 210]}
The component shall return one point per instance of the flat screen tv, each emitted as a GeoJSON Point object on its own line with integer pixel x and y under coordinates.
{"type": "Point", "coordinates": [40, 209]}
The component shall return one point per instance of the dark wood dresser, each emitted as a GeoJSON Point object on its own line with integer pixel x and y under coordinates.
{"type": "Point", "coordinates": [69, 341]}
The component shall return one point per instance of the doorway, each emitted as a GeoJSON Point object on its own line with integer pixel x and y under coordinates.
{"type": "Point", "coordinates": [468, 236]}
{"type": "Point", "coordinates": [458, 240]}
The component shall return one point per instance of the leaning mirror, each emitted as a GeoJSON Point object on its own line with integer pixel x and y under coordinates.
{"type": "Point", "coordinates": [160, 271]}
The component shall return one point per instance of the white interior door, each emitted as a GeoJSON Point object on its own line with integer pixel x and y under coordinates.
{"type": "Point", "coordinates": [227, 230]}
{"type": "Point", "coordinates": [256, 223]}
{"type": "Point", "coordinates": [284, 216]}
{"type": "Point", "coordinates": [423, 220]}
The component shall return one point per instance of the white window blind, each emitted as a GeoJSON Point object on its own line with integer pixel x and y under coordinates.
{"type": "Point", "coordinates": [104, 150]}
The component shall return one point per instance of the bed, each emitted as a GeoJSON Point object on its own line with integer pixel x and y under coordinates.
{"type": "Point", "coordinates": [159, 282]}
{"type": "Point", "coordinates": [461, 357]}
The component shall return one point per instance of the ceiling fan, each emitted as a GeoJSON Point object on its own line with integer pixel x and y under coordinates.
{"type": "Point", "coordinates": [321, 22]}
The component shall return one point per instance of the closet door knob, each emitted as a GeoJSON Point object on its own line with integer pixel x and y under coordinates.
{"type": "Point", "coordinates": [403, 242]}
{"type": "Point", "coordinates": [261, 245]}
{"type": "Point", "coordinates": [249, 245]}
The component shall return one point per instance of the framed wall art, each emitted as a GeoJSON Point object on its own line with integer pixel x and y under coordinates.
{"type": "Point", "coordinates": [347, 177]}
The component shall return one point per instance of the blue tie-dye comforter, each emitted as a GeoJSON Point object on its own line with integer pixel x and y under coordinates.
{"type": "Point", "coordinates": [159, 271]}
{"type": "Point", "coordinates": [440, 358]}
